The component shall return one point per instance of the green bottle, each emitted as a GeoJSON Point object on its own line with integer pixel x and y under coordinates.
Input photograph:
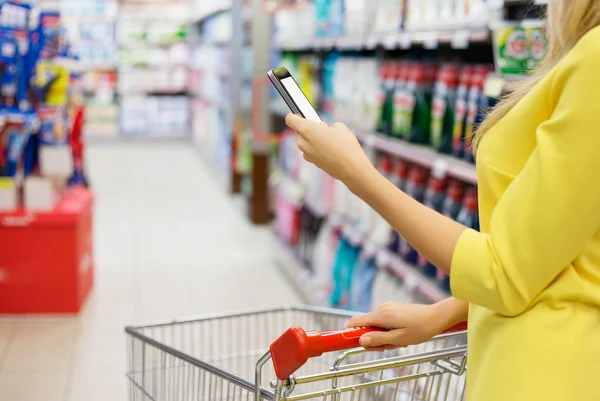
{"type": "Point", "coordinates": [442, 109]}
{"type": "Point", "coordinates": [384, 124]}
{"type": "Point", "coordinates": [399, 112]}
{"type": "Point", "coordinates": [419, 97]}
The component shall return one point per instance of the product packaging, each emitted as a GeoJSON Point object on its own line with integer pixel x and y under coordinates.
{"type": "Point", "coordinates": [460, 111]}
{"type": "Point", "coordinates": [443, 108]}
{"type": "Point", "coordinates": [510, 46]}
{"type": "Point", "coordinates": [454, 199]}
{"type": "Point", "coordinates": [415, 188]}
{"type": "Point", "coordinates": [419, 95]}
{"type": "Point", "coordinates": [386, 98]}
{"type": "Point", "coordinates": [434, 198]}
{"type": "Point", "coordinates": [475, 109]}
{"type": "Point", "coordinates": [389, 16]}
{"type": "Point", "coordinates": [401, 101]}
{"type": "Point", "coordinates": [362, 284]}
{"type": "Point", "coordinates": [50, 34]}
{"type": "Point", "coordinates": [469, 217]}
{"type": "Point", "coordinates": [535, 32]}
{"type": "Point", "coordinates": [54, 126]}
{"type": "Point", "coordinates": [343, 270]}
{"type": "Point", "coordinates": [323, 10]}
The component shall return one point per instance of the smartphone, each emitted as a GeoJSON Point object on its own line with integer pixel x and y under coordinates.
{"type": "Point", "coordinates": [289, 90]}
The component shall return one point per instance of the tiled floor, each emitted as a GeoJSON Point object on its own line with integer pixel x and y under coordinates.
{"type": "Point", "coordinates": [168, 243]}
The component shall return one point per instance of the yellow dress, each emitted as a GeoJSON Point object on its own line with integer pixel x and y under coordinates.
{"type": "Point", "coordinates": [532, 276]}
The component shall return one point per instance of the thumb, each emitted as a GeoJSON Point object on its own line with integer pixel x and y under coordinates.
{"type": "Point", "coordinates": [379, 338]}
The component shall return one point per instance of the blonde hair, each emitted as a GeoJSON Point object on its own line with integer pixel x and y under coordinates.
{"type": "Point", "coordinates": [568, 21]}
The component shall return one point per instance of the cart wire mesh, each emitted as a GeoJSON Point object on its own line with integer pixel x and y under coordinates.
{"type": "Point", "coordinates": [215, 358]}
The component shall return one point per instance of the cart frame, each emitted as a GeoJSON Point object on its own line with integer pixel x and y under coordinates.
{"type": "Point", "coordinates": [447, 360]}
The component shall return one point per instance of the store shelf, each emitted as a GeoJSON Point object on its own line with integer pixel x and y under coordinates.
{"type": "Point", "coordinates": [158, 138]}
{"type": "Point", "coordinates": [456, 38]}
{"type": "Point", "coordinates": [202, 15]}
{"type": "Point", "coordinates": [218, 103]}
{"type": "Point", "coordinates": [421, 155]}
{"type": "Point", "coordinates": [141, 92]}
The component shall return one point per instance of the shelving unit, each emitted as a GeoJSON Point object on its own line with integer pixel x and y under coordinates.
{"type": "Point", "coordinates": [455, 38]}
{"type": "Point", "coordinates": [217, 86]}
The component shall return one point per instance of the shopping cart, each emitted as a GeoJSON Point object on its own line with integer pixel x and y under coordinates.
{"type": "Point", "coordinates": [215, 358]}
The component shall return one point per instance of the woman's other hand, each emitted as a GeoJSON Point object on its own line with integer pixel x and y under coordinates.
{"type": "Point", "coordinates": [334, 149]}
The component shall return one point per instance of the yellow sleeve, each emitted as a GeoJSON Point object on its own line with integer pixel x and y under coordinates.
{"type": "Point", "coordinates": [551, 209]}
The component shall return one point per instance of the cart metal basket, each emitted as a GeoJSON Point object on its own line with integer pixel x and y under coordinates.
{"type": "Point", "coordinates": [215, 358]}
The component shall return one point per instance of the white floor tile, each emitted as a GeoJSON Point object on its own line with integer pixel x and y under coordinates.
{"type": "Point", "coordinates": [41, 347]}
{"type": "Point", "coordinates": [169, 242]}
{"type": "Point", "coordinates": [30, 386]}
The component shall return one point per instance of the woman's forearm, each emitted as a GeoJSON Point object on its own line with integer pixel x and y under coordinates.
{"type": "Point", "coordinates": [433, 235]}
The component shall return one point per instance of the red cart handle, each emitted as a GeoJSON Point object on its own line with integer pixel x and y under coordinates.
{"type": "Point", "coordinates": [293, 349]}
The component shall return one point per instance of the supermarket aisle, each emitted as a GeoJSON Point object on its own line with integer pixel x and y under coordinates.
{"type": "Point", "coordinates": [168, 243]}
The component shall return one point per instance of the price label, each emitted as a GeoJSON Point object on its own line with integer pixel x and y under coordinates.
{"type": "Point", "coordinates": [405, 41]}
{"type": "Point", "coordinates": [335, 220]}
{"type": "Point", "coordinates": [383, 258]}
{"type": "Point", "coordinates": [495, 4]}
{"type": "Point", "coordinates": [430, 43]}
{"type": "Point", "coordinates": [370, 140]}
{"type": "Point", "coordinates": [460, 39]}
{"type": "Point", "coordinates": [412, 281]}
{"type": "Point", "coordinates": [390, 42]}
{"type": "Point", "coordinates": [371, 43]}
{"type": "Point", "coordinates": [369, 249]}
{"type": "Point", "coordinates": [494, 86]}
{"type": "Point", "coordinates": [440, 169]}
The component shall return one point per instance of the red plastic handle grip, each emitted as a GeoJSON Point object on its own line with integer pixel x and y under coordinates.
{"type": "Point", "coordinates": [337, 340]}
{"type": "Point", "coordinates": [293, 349]}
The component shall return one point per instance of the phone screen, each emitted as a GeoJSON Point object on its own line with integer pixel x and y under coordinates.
{"type": "Point", "coordinates": [300, 99]}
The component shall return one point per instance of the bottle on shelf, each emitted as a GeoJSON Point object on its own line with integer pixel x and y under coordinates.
{"type": "Point", "coordinates": [399, 124]}
{"type": "Point", "coordinates": [474, 108]}
{"type": "Point", "coordinates": [391, 237]}
{"type": "Point", "coordinates": [419, 93]}
{"type": "Point", "coordinates": [458, 140]}
{"type": "Point", "coordinates": [415, 188]}
{"type": "Point", "coordinates": [454, 198]}
{"type": "Point", "coordinates": [469, 217]}
{"type": "Point", "coordinates": [434, 198]}
{"type": "Point", "coordinates": [443, 108]}
{"type": "Point", "coordinates": [385, 98]}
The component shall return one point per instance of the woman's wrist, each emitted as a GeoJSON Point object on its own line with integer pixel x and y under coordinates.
{"type": "Point", "coordinates": [361, 174]}
{"type": "Point", "coordinates": [449, 312]}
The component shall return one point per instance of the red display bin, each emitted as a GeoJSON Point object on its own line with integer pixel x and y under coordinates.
{"type": "Point", "coordinates": [46, 259]}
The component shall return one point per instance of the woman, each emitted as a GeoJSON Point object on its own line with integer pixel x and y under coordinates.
{"type": "Point", "coordinates": [530, 281]}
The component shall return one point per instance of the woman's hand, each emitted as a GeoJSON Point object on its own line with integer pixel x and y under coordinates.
{"type": "Point", "coordinates": [409, 324]}
{"type": "Point", "coordinates": [334, 149]}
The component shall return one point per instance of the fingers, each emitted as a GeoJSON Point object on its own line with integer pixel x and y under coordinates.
{"type": "Point", "coordinates": [366, 320]}
{"type": "Point", "coordinates": [297, 123]}
{"type": "Point", "coordinates": [384, 318]}
{"type": "Point", "coordinates": [303, 146]}
{"type": "Point", "coordinates": [384, 348]}
{"type": "Point", "coordinates": [381, 338]}
{"type": "Point", "coordinates": [301, 143]}
{"type": "Point", "coordinates": [339, 125]}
